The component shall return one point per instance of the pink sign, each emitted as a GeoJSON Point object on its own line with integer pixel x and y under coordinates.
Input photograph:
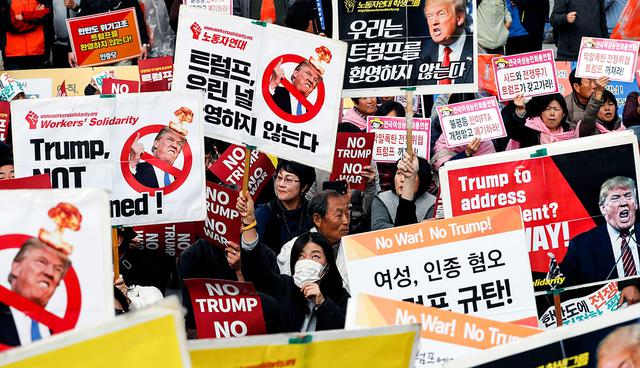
{"type": "Point", "coordinates": [602, 56]}
{"type": "Point", "coordinates": [391, 137]}
{"type": "Point", "coordinates": [463, 121]}
{"type": "Point", "coordinates": [531, 73]}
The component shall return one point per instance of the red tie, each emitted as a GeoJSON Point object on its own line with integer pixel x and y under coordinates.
{"type": "Point", "coordinates": [627, 258]}
{"type": "Point", "coordinates": [268, 11]}
{"type": "Point", "coordinates": [446, 61]}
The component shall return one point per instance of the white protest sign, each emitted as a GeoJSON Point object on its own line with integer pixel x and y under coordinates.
{"type": "Point", "coordinates": [462, 122]}
{"type": "Point", "coordinates": [531, 73]}
{"type": "Point", "coordinates": [613, 58]}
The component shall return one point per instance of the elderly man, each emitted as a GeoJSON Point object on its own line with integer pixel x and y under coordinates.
{"type": "Point", "coordinates": [305, 79]}
{"type": "Point", "coordinates": [609, 251]}
{"type": "Point", "coordinates": [452, 46]}
{"type": "Point", "coordinates": [36, 272]}
{"type": "Point", "coordinates": [621, 348]}
{"type": "Point", "coordinates": [583, 89]}
{"type": "Point", "coordinates": [166, 148]}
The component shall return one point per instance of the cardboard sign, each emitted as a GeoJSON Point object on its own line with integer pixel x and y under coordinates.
{"type": "Point", "coordinates": [531, 73]}
{"type": "Point", "coordinates": [353, 152]}
{"type": "Point", "coordinates": [119, 86]}
{"type": "Point", "coordinates": [30, 182]}
{"type": "Point", "coordinates": [167, 239]}
{"type": "Point", "coordinates": [5, 120]}
{"type": "Point", "coordinates": [229, 168]}
{"type": "Point", "coordinates": [393, 46]}
{"type": "Point", "coordinates": [462, 122]}
{"type": "Point", "coordinates": [391, 137]}
{"type": "Point", "coordinates": [602, 56]}
{"type": "Point", "coordinates": [215, 6]}
{"type": "Point", "coordinates": [225, 308]}
{"type": "Point", "coordinates": [472, 264]}
{"type": "Point", "coordinates": [223, 221]}
{"type": "Point", "coordinates": [104, 38]}
{"type": "Point", "coordinates": [254, 94]}
{"type": "Point", "coordinates": [88, 142]}
{"type": "Point", "coordinates": [156, 74]}
{"type": "Point", "coordinates": [75, 222]}
{"type": "Point", "coordinates": [444, 335]}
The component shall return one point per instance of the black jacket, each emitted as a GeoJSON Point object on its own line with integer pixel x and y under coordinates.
{"type": "Point", "coordinates": [590, 22]}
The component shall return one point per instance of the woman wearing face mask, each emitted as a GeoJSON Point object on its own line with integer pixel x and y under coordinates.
{"type": "Point", "coordinates": [542, 121]}
{"type": "Point", "coordinates": [410, 202]}
{"type": "Point", "coordinates": [601, 114]}
{"type": "Point", "coordinates": [313, 299]}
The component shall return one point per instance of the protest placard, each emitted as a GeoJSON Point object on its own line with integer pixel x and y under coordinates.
{"type": "Point", "coordinates": [395, 45]}
{"type": "Point", "coordinates": [382, 347]}
{"type": "Point", "coordinates": [225, 308]}
{"type": "Point", "coordinates": [215, 6]}
{"type": "Point", "coordinates": [167, 239]}
{"type": "Point", "coordinates": [156, 74]}
{"type": "Point", "coordinates": [5, 113]}
{"type": "Point", "coordinates": [229, 168]}
{"type": "Point", "coordinates": [30, 182]}
{"type": "Point", "coordinates": [391, 137]}
{"type": "Point", "coordinates": [463, 121]}
{"type": "Point", "coordinates": [119, 86]}
{"type": "Point", "coordinates": [141, 147]}
{"type": "Point", "coordinates": [223, 221]}
{"type": "Point", "coordinates": [150, 337]}
{"type": "Point", "coordinates": [266, 86]}
{"type": "Point", "coordinates": [563, 70]}
{"type": "Point", "coordinates": [9, 87]}
{"type": "Point", "coordinates": [444, 335]}
{"type": "Point", "coordinates": [353, 152]}
{"type": "Point", "coordinates": [603, 56]}
{"type": "Point", "coordinates": [104, 38]}
{"type": "Point", "coordinates": [559, 198]}
{"type": "Point", "coordinates": [601, 342]}
{"type": "Point", "coordinates": [531, 73]}
{"type": "Point", "coordinates": [628, 26]}
{"type": "Point", "coordinates": [473, 264]}
{"type": "Point", "coordinates": [68, 231]}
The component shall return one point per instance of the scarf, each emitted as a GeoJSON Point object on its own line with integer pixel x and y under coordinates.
{"type": "Point", "coordinates": [546, 136]}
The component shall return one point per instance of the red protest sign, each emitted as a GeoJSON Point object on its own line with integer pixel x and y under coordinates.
{"type": "Point", "coordinates": [628, 27]}
{"type": "Point", "coordinates": [156, 74]}
{"type": "Point", "coordinates": [223, 220]}
{"type": "Point", "coordinates": [42, 181]}
{"type": "Point", "coordinates": [5, 114]}
{"type": "Point", "coordinates": [230, 168]}
{"type": "Point", "coordinates": [224, 308]}
{"type": "Point", "coordinates": [167, 239]}
{"type": "Point", "coordinates": [104, 38]}
{"type": "Point", "coordinates": [119, 86]}
{"type": "Point", "coordinates": [312, 109]}
{"type": "Point", "coordinates": [353, 152]}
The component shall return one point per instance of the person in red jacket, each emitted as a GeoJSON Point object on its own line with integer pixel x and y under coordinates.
{"type": "Point", "coordinates": [25, 35]}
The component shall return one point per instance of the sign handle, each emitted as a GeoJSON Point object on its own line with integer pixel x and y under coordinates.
{"type": "Point", "coordinates": [558, 310]}
{"type": "Point", "coordinates": [409, 120]}
{"type": "Point", "coordinates": [114, 248]}
{"type": "Point", "coordinates": [247, 168]}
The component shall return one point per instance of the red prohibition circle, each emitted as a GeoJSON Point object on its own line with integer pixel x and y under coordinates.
{"type": "Point", "coordinates": [71, 283]}
{"type": "Point", "coordinates": [135, 184]}
{"type": "Point", "coordinates": [311, 113]}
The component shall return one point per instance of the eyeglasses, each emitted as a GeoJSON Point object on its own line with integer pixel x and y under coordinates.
{"type": "Point", "coordinates": [288, 180]}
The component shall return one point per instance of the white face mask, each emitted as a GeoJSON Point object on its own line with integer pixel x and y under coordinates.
{"type": "Point", "coordinates": [307, 270]}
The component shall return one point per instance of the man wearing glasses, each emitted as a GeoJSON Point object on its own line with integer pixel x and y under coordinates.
{"type": "Point", "coordinates": [609, 251]}
{"type": "Point", "coordinates": [166, 148]}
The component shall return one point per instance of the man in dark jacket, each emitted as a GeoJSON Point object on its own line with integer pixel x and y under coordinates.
{"type": "Point", "coordinates": [574, 19]}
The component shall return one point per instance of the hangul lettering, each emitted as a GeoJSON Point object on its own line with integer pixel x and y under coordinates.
{"type": "Point", "coordinates": [438, 300]}
{"type": "Point", "coordinates": [597, 300]}
{"type": "Point", "coordinates": [244, 97]}
{"type": "Point", "coordinates": [145, 77]}
{"type": "Point", "coordinates": [382, 278]}
{"type": "Point", "coordinates": [612, 304]}
{"type": "Point", "coordinates": [313, 145]}
{"type": "Point", "coordinates": [548, 319]}
{"type": "Point", "coordinates": [417, 300]}
{"type": "Point", "coordinates": [495, 258]}
{"type": "Point", "coordinates": [472, 300]}
{"type": "Point", "coordinates": [241, 72]}
{"type": "Point", "coordinates": [375, 28]}
{"type": "Point", "coordinates": [411, 50]}
{"type": "Point", "coordinates": [167, 74]}
{"type": "Point", "coordinates": [156, 76]}
{"type": "Point", "coordinates": [217, 90]}
{"type": "Point", "coordinates": [430, 267]}
{"type": "Point", "coordinates": [404, 275]}
{"type": "Point", "coordinates": [290, 138]}
{"type": "Point", "coordinates": [206, 36]}
{"type": "Point", "coordinates": [451, 267]}
{"type": "Point", "coordinates": [491, 291]}
{"type": "Point", "coordinates": [198, 57]}
{"type": "Point", "coordinates": [245, 122]}
{"type": "Point", "coordinates": [220, 66]}
{"type": "Point", "coordinates": [569, 310]}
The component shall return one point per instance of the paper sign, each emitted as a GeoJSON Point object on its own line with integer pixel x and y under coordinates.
{"type": "Point", "coordinates": [602, 56]}
{"type": "Point", "coordinates": [229, 168]}
{"type": "Point", "coordinates": [391, 137]}
{"type": "Point", "coordinates": [353, 152]}
{"type": "Point", "coordinates": [156, 74]}
{"type": "Point", "coordinates": [462, 122]}
{"type": "Point", "coordinates": [223, 221]}
{"type": "Point", "coordinates": [531, 73]}
{"type": "Point", "coordinates": [216, 6]}
{"type": "Point", "coordinates": [119, 86]}
{"type": "Point", "coordinates": [167, 239]}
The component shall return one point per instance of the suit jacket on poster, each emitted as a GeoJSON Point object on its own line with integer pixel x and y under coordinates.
{"type": "Point", "coordinates": [145, 175]}
{"type": "Point", "coordinates": [429, 54]}
{"type": "Point", "coordinates": [8, 332]}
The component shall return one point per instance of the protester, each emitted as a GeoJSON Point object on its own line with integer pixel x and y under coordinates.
{"type": "Point", "coordinates": [62, 10]}
{"type": "Point", "coordinates": [582, 90]}
{"type": "Point", "coordinates": [6, 162]}
{"type": "Point", "coordinates": [494, 21]}
{"type": "Point", "coordinates": [601, 114]}
{"type": "Point", "coordinates": [574, 19]}
{"type": "Point", "coordinates": [357, 115]}
{"type": "Point", "coordinates": [391, 109]}
{"type": "Point", "coordinates": [27, 34]}
{"type": "Point", "coordinates": [475, 148]}
{"type": "Point", "coordinates": [518, 35]}
{"type": "Point", "coordinates": [534, 14]}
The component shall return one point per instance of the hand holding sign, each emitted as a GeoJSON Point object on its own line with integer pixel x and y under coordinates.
{"type": "Point", "coordinates": [276, 76]}
{"type": "Point", "coordinates": [601, 84]}
{"type": "Point", "coordinates": [245, 208]}
{"type": "Point", "coordinates": [135, 153]}
{"type": "Point", "coordinates": [473, 146]}
{"type": "Point", "coordinates": [369, 173]}
{"type": "Point", "coordinates": [571, 16]}
{"type": "Point", "coordinates": [519, 102]}
{"type": "Point", "coordinates": [233, 256]}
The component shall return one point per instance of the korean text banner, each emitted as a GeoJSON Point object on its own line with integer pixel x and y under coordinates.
{"type": "Point", "coordinates": [382, 347]}
{"type": "Point", "coordinates": [397, 44]}
{"type": "Point", "coordinates": [266, 86]}
{"type": "Point", "coordinates": [104, 38]}
{"type": "Point", "coordinates": [60, 229]}
{"type": "Point", "coordinates": [472, 264]}
{"type": "Point", "coordinates": [560, 196]}
{"type": "Point", "coordinates": [444, 335]}
{"type": "Point", "coordinates": [602, 342]}
{"type": "Point", "coordinates": [141, 147]}
{"type": "Point", "coordinates": [153, 337]}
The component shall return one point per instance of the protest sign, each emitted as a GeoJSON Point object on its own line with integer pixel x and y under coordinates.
{"type": "Point", "coordinates": [463, 121]}
{"type": "Point", "coordinates": [229, 168]}
{"type": "Point", "coordinates": [53, 227]}
{"type": "Point", "coordinates": [395, 45]}
{"type": "Point", "coordinates": [167, 239]}
{"type": "Point", "coordinates": [266, 86]}
{"type": "Point", "coordinates": [531, 73]}
{"type": "Point", "coordinates": [353, 152]}
{"type": "Point", "coordinates": [104, 38]}
{"type": "Point", "coordinates": [225, 308]}
{"type": "Point", "coordinates": [223, 221]}
{"type": "Point", "coordinates": [615, 59]}
{"type": "Point", "coordinates": [30, 182]}
{"type": "Point", "coordinates": [628, 27]}
{"type": "Point", "coordinates": [9, 87]}
{"type": "Point", "coordinates": [444, 335]}
{"type": "Point", "coordinates": [576, 346]}
{"type": "Point", "coordinates": [98, 80]}
{"type": "Point", "coordinates": [473, 264]}
{"type": "Point", "coordinates": [119, 86]}
{"type": "Point", "coordinates": [5, 120]}
{"type": "Point", "coordinates": [394, 346]}
{"type": "Point", "coordinates": [156, 74]}
{"type": "Point", "coordinates": [559, 199]}
{"type": "Point", "coordinates": [215, 6]}
{"type": "Point", "coordinates": [486, 77]}
{"type": "Point", "coordinates": [115, 143]}
{"type": "Point", "coordinates": [563, 70]}
{"type": "Point", "coordinates": [150, 337]}
{"type": "Point", "coordinates": [391, 137]}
